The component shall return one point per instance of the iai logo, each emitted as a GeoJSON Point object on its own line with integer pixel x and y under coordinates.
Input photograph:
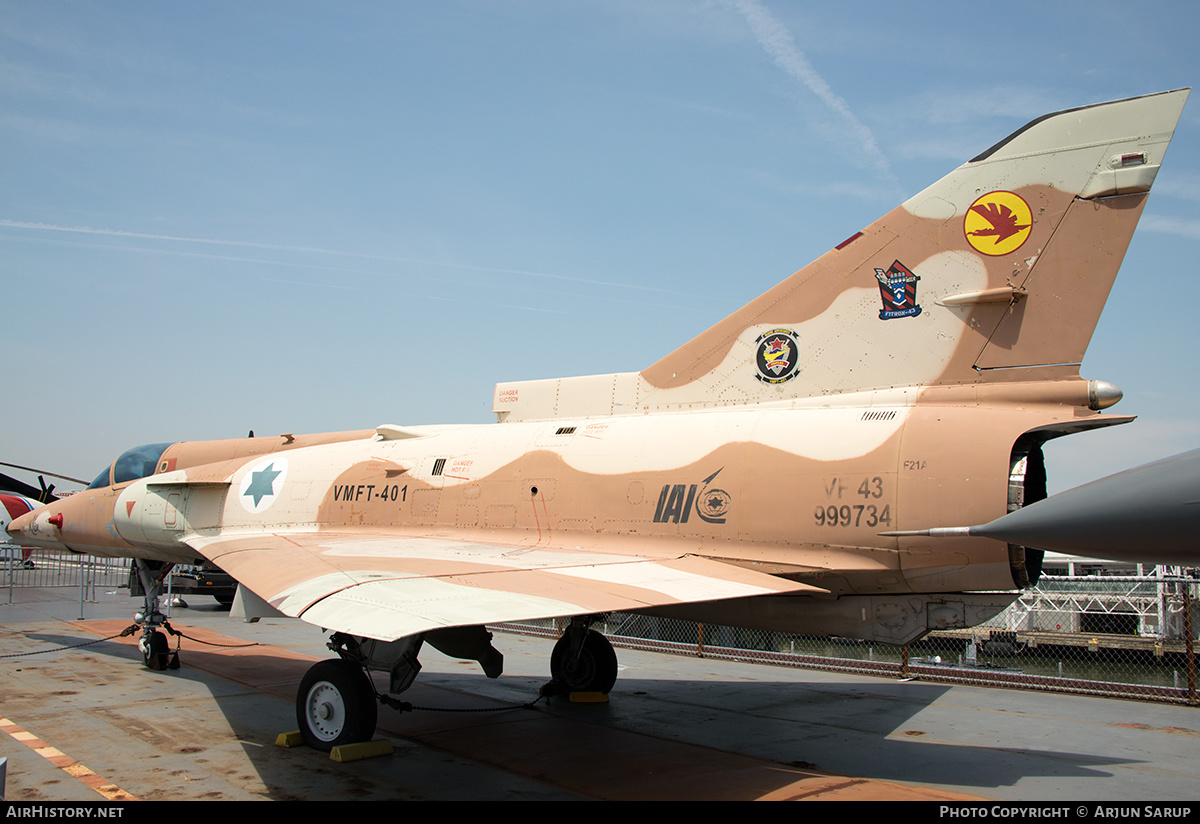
{"type": "Point", "coordinates": [262, 484]}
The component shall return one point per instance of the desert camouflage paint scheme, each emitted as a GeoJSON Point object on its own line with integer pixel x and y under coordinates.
{"type": "Point", "coordinates": [905, 379]}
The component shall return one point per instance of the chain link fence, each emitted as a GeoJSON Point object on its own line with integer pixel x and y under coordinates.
{"type": "Point", "coordinates": [1117, 636]}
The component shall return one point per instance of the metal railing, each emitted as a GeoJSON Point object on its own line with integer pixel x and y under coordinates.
{"type": "Point", "coordinates": [85, 573]}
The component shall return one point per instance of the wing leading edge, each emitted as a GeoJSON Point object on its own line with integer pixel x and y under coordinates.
{"type": "Point", "coordinates": [388, 587]}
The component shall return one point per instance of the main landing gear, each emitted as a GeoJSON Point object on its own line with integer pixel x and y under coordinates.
{"type": "Point", "coordinates": [337, 702]}
{"type": "Point", "coordinates": [336, 705]}
{"type": "Point", "coordinates": [582, 661]}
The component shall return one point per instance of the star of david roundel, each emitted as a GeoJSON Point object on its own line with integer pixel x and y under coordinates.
{"type": "Point", "coordinates": [777, 356]}
{"type": "Point", "coordinates": [262, 484]}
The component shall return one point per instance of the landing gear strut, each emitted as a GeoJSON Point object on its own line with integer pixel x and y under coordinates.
{"type": "Point", "coordinates": [156, 652]}
{"type": "Point", "coordinates": [582, 661]}
{"type": "Point", "coordinates": [337, 703]}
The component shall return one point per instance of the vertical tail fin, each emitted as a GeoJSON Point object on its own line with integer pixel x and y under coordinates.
{"type": "Point", "coordinates": [1004, 264]}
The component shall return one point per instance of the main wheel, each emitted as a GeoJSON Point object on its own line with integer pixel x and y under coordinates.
{"type": "Point", "coordinates": [594, 669]}
{"type": "Point", "coordinates": [335, 705]}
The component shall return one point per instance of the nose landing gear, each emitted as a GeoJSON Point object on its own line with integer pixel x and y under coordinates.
{"type": "Point", "coordinates": [156, 652]}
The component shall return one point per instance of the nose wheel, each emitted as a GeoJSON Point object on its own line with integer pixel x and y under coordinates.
{"type": "Point", "coordinates": [336, 705]}
{"type": "Point", "coordinates": [156, 652]}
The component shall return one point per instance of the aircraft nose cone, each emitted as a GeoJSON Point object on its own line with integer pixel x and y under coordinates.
{"type": "Point", "coordinates": [16, 529]}
{"type": "Point", "coordinates": [36, 529]}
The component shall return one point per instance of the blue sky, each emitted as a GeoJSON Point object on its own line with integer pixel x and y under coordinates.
{"type": "Point", "coordinates": [297, 217]}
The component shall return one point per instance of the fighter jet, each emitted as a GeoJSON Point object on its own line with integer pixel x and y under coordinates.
{"type": "Point", "coordinates": [907, 378]}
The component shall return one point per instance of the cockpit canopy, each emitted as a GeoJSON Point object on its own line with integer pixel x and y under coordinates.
{"type": "Point", "coordinates": [135, 463]}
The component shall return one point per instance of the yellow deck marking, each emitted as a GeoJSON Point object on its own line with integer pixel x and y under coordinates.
{"type": "Point", "coordinates": [65, 763]}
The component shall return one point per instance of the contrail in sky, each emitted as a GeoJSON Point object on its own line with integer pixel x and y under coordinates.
{"type": "Point", "coordinates": [85, 230]}
{"type": "Point", "coordinates": [778, 43]}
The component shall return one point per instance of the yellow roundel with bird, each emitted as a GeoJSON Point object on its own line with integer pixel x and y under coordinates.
{"type": "Point", "coordinates": [998, 223]}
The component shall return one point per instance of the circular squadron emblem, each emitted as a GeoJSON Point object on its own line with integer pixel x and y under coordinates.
{"type": "Point", "coordinates": [998, 223]}
{"type": "Point", "coordinates": [713, 505]}
{"type": "Point", "coordinates": [262, 484]}
{"type": "Point", "coordinates": [777, 356]}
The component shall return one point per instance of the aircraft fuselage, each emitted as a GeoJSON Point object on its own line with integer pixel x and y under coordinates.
{"type": "Point", "coordinates": [792, 489]}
